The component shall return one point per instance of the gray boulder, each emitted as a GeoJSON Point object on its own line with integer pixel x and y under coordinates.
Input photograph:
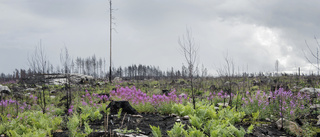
{"type": "Point", "coordinates": [30, 90]}
{"type": "Point", "coordinates": [58, 79]}
{"type": "Point", "coordinates": [4, 89]}
{"type": "Point", "coordinates": [117, 79]}
{"type": "Point", "coordinates": [290, 126]}
{"type": "Point", "coordinates": [311, 91]}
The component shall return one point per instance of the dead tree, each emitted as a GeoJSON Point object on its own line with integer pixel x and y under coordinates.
{"type": "Point", "coordinates": [226, 73]}
{"type": "Point", "coordinates": [65, 61]}
{"type": "Point", "coordinates": [37, 62]}
{"type": "Point", "coordinates": [111, 22]}
{"type": "Point", "coordinates": [314, 54]}
{"type": "Point", "coordinates": [189, 51]}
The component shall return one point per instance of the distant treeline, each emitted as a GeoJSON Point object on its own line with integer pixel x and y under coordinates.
{"type": "Point", "coordinates": [98, 69]}
{"type": "Point", "coordinates": [137, 72]}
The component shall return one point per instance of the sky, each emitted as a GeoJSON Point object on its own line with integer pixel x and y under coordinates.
{"type": "Point", "coordinates": [251, 33]}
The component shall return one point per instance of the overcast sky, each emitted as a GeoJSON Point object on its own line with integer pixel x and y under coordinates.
{"type": "Point", "coordinates": [254, 33]}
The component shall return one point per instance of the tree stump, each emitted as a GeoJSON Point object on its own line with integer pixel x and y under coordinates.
{"type": "Point", "coordinates": [125, 105]}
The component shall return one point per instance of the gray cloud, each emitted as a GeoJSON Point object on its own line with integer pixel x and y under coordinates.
{"type": "Point", "coordinates": [253, 33]}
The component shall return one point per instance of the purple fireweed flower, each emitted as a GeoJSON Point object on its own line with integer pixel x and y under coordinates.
{"type": "Point", "coordinates": [251, 100]}
{"type": "Point", "coordinates": [87, 94]}
{"type": "Point", "coordinates": [292, 104]}
{"type": "Point", "coordinates": [259, 102]}
{"type": "Point", "coordinates": [267, 103]}
{"type": "Point", "coordinates": [11, 101]}
{"type": "Point", "coordinates": [220, 94]}
{"type": "Point", "coordinates": [291, 112]}
{"type": "Point", "coordinates": [70, 109]}
{"type": "Point", "coordinates": [258, 94]}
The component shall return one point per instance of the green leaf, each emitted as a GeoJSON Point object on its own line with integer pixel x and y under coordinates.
{"type": "Point", "coordinates": [193, 132]}
{"type": "Point", "coordinates": [87, 128]}
{"type": "Point", "coordinates": [195, 121]}
{"type": "Point", "coordinates": [250, 128]}
{"type": "Point", "coordinates": [214, 133]}
{"type": "Point", "coordinates": [255, 116]}
{"type": "Point", "coordinates": [119, 113]}
{"type": "Point", "coordinates": [156, 132]}
{"type": "Point", "coordinates": [177, 130]}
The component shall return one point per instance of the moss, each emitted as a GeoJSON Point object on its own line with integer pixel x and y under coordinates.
{"type": "Point", "coordinates": [315, 129]}
{"type": "Point", "coordinates": [254, 88]}
{"type": "Point", "coordinates": [246, 120]}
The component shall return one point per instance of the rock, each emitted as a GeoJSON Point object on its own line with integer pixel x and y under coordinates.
{"type": "Point", "coordinates": [289, 125]}
{"type": "Point", "coordinates": [178, 120]}
{"type": "Point", "coordinates": [186, 117]}
{"type": "Point", "coordinates": [38, 87]}
{"type": "Point", "coordinates": [315, 106]}
{"type": "Point", "coordinates": [272, 116]}
{"type": "Point", "coordinates": [183, 95]}
{"type": "Point", "coordinates": [30, 90]}
{"type": "Point", "coordinates": [318, 123]}
{"type": "Point", "coordinates": [125, 105]}
{"type": "Point", "coordinates": [5, 89]}
{"type": "Point", "coordinates": [117, 79]}
{"type": "Point", "coordinates": [223, 104]}
{"type": "Point", "coordinates": [80, 78]}
{"type": "Point", "coordinates": [174, 115]}
{"type": "Point", "coordinates": [268, 119]}
{"type": "Point", "coordinates": [311, 91]}
{"type": "Point", "coordinates": [57, 79]}
{"type": "Point", "coordinates": [99, 83]}
{"type": "Point", "coordinates": [129, 134]}
{"type": "Point", "coordinates": [137, 116]}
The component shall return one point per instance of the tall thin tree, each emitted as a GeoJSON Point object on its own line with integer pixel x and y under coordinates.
{"type": "Point", "coordinates": [110, 74]}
